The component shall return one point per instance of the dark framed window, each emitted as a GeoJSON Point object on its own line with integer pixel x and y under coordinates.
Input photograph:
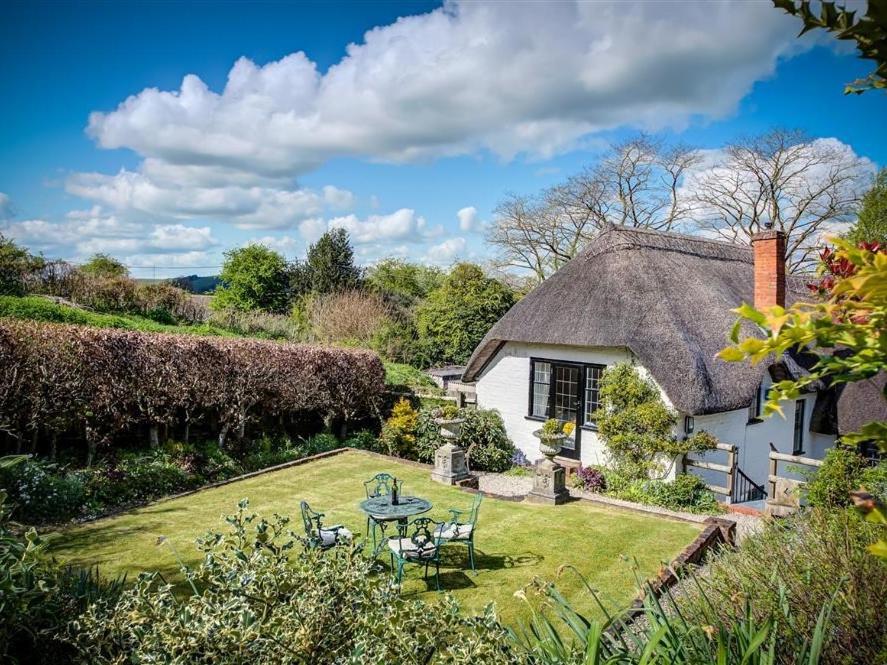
{"type": "Point", "coordinates": [756, 406]}
{"type": "Point", "coordinates": [800, 412]}
{"type": "Point", "coordinates": [566, 391]}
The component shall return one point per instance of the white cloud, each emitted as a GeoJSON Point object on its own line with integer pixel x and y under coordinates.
{"type": "Point", "coordinates": [286, 245]}
{"type": "Point", "coordinates": [402, 224]}
{"type": "Point", "coordinates": [511, 78]}
{"type": "Point", "coordinates": [312, 229]}
{"type": "Point", "coordinates": [338, 199]}
{"type": "Point", "coordinates": [446, 252]}
{"type": "Point", "coordinates": [85, 232]}
{"type": "Point", "coordinates": [468, 219]}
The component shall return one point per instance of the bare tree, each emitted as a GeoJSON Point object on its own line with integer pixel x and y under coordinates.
{"type": "Point", "coordinates": [805, 188]}
{"type": "Point", "coordinates": [637, 183]}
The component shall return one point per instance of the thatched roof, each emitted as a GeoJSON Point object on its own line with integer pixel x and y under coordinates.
{"type": "Point", "coordinates": [667, 297]}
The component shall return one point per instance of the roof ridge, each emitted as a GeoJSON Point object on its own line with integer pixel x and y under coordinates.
{"type": "Point", "coordinates": [618, 237]}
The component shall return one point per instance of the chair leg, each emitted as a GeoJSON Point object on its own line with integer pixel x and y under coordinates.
{"type": "Point", "coordinates": [471, 556]}
{"type": "Point", "coordinates": [437, 574]}
{"type": "Point", "coordinates": [399, 572]}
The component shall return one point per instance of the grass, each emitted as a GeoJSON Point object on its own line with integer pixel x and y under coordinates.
{"type": "Point", "coordinates": [515, 542]}
{"type": "Point", "coordinates": [35, 308]}
{"type": "Point", "coordinates": [399, 374]}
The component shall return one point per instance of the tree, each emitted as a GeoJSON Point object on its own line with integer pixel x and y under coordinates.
{"type": "Point", "coordinates": [329, 266]}
{"type": "Point", "coordinates": [871, 224]}
{"type": "Point", "coordinates": [456, 316]}
{"type": "Point", "coordinates": [104, 265]}
{"type": "Point", "coordinates": [254, 278]}
{"type": "Point", "coordinates": [804, 187]}
{"type": "Point", "coordinates": [16, 264]}
{"type": "Point", "coordinates": [404, 282]}
{"type": "Point", "coordinates": [869, 33]}
{"type": "Point", "coordinates": [637, 183]}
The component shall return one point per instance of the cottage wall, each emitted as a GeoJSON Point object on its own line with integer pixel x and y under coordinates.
{"type": "Point", "coordinates": [504, 386]}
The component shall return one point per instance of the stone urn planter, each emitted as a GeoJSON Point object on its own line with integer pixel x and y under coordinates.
{"type": "Point", "coordinates": [450, 465]}
{"type": "Point", "coordinates": [549, 481]}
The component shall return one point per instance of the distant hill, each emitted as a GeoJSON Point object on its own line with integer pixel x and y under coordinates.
{"type": "Point", "coordinates": [197, 284]}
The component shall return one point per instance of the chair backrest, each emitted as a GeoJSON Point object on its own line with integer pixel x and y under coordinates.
{"type": "Point", "coordinates": [382, 484]}
{"type": "Point", "coordinates": [311, 520]}
{"type": "Point", "coordinates": [475, 508]}
{"type": "Point", "coordinates": [425, 534]}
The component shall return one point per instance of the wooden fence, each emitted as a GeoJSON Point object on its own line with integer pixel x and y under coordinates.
{"type": "Point", "coordinates": [728, 469]}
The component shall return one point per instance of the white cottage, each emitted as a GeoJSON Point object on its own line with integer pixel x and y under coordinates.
{"type": "Point", "coordinates": [663, 302]}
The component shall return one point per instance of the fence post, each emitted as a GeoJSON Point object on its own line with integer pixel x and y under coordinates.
{"type": "Point", "coordinates": [731, 475]}
{"type": "Point", "coordinates": [772, 472]}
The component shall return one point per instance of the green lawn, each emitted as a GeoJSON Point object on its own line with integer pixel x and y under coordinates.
{"type": "Point", "coordinates": [515, 541]}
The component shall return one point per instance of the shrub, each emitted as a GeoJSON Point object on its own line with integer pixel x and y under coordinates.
{"type": "Point", "coordinates": [257, 324]}
{"type": "Point", "coordinates": [363, 440]}
{"type": "Point", "coordinates": [841, 472]}
{"type": "Point", "coordinates": [351, 317]}
{"type": "Point", "coordinates": [260, 598]}
{"type": "Point", "coordinates": [637, 427]}
{"type": "Point", "coordinates": [399, 431]}
{"type": "Point", "coordinates": [105, 293]}
{"type": "Point", "coordinates": [17, 265]}
{"type": "Point", "coordinates": [253, 278]}
{"type": "Point", "coordinates": [591, 479]}
{"type": "Point", "coordinates": [685, 493]}
{"type": "Point", "coordinates": [102, 381]}
{"type": "Point", "coordinates": [41, 493]}
{"type": "Point", "coordinates": [801, 563]}
{"type": "Point", "coordinates": [482, 434]}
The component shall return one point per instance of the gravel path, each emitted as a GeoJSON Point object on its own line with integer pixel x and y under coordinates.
{"type": "Point", "coordinates": [503, 485]}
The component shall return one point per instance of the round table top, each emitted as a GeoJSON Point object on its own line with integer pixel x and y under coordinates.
{"type": "Point", "coordinates": [381, 507]}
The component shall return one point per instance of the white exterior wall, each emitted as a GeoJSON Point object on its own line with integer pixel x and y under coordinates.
{"type": "Point", "coordinates": [504, 386]}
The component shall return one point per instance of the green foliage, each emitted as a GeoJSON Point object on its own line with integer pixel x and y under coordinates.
{"type": "Point", "coordinates": [482, 435]}
{"type": "Point", "coordinates": [869, 33]}
{"type": "Point", "coordinates": [851, 317]}
{"type": "Point", "coordinates": [636, 426]}
{"type": "Point", "coordinates": [871, 223]}
{"type": "Point", "coordinates": [104, 265]}
{"type": "Point", "coordinates": [253, 278]}
{"type": "Point", "coordinates": [399, 431]}
{"type": "Point", "coordinates": [560, 635]}
{"type": "Point", "coordinates": [258, 597]}
{"type": "Point", "coordinates": [455, 317]}
{"type": "Point", "coordinates": [329, 266]}
{"type": "Point", "coordinates": [399, 376]}
{"type": "Point", "coordinates": [831, 484]}
{"type": "Point", "coordinates": [41, 493]}
{"type": "Point", "coordinates": [404, 282]}
{"type": "Point", "coordinates": [796, 566]}
{"type": "Point", "coordinates": [37, 600]}
{"type": "Point", "coordinates": [16, 264]}
{"type": "Point", "coordinates": [686, 492]}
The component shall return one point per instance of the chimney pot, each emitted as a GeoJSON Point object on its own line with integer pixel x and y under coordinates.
{"type": "Point", "coordinates": [769, 267]}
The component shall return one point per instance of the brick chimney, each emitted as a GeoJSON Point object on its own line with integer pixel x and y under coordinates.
{"type": "Point", "coordinates": [769, 252]}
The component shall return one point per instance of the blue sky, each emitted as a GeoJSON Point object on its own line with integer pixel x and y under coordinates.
{"type": "Point", "coordinates": [446, 111]}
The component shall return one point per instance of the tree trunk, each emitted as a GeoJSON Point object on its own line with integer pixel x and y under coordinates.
{"type": "Point", "coordinates": [32, 448]}
{"type": "Point", "coordinates": [90, 452]}
{"type": "Point", "coordinates": [223, 434]}
{"type": "Point", "coordinates": [154, 435]}
{"type": "Point", "coordinates": [187, 434]}
{"type": "Point", "coordinates": [53, 444]}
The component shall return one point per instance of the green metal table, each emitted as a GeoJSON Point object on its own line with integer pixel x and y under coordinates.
{"type": "Point", "coordinates": [383, 512]}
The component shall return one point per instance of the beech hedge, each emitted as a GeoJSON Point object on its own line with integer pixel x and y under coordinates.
{"type": "Point", "coordinates": [58, 379]}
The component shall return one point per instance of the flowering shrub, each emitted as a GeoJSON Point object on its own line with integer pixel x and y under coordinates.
{"type": "Point", "coordinates": [59, 379]}
{"type": "Point", "coordinates": [39, 493]}
{"type": "Point", "coordinates": [482, 434]}
{"type": "Point", "coordinates": [591, 479]}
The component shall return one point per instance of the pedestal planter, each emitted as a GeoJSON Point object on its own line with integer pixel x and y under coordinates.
{"type": "Point", "coordinates": [450, 465]}
{"type": "Point", "coordinates": [549, 482]}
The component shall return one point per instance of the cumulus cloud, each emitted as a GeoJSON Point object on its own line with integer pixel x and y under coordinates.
{"type": "Point", "coordinates": [446, 252]}
{"type": "Point", "coordinates": [468, 219]}
{"type": "Point", "coordinates": [85, 232]}
{"type": "Point", "coordinates": [512, 78]}
{"type": "Point", "coordinates": [403, 224]}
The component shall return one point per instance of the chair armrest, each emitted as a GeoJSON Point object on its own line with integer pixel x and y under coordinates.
{"type": "Point", "coordinates": [456, 513]}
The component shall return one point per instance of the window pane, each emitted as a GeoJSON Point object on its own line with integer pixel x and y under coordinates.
{"type": "Point", "coordinates": [566, 393]}
{"type": "Point", "coordinates": [541, 385]}
{"type": "Point", "coordinates": [592, 396]}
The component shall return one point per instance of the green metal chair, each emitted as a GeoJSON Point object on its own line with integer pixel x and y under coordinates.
{"type": "Point", "coordinates": [421, 546]}
{"type": "Point", "coordinates": [320, 536]}
{"type": "Point", "coordinates": [382, 484]}
{"type": "Point", "coordinates": [462, 526]}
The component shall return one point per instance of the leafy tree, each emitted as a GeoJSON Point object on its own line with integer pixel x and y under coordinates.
{"type": "Point", "coordinates": [16, 263]}
{"type": "Point", "coordinates": [329, 266]}
{"type": "Point", "coordinates": [871, 225]}
{"type": "Point", "coordinates": [869, 33]}
{"type": "Point", "coordinates": [456, 316]}
{"type": "Point", "coordinates": [405, 282]}
{"type": "Point", "coordinates": [254, 278]}
{"type": "Point", "coordinates": [104, 265]}
{"type": "Point", "coordinates": [636, 425]}
{"type": "Point", "coordinates": [851, 317]}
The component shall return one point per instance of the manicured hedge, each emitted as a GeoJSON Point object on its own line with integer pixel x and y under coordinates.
{"type": "Point", "coordinates": [62, 379]}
